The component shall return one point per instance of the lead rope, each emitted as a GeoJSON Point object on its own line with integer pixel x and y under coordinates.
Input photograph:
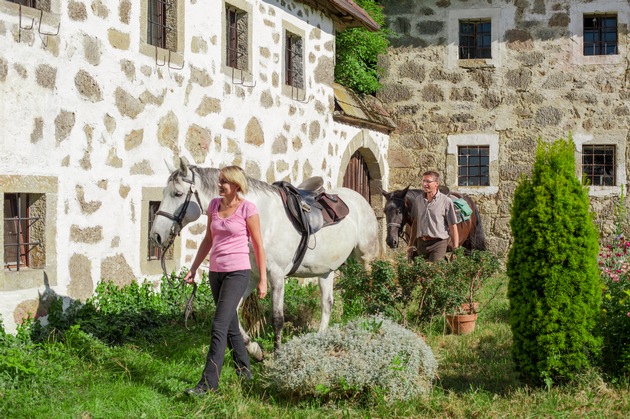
{"type": "Point", "coordinates": [188, 306]}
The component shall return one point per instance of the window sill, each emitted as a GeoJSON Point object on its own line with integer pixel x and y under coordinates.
{"type": "Point", "coordinates": [476, 63]}
{"type": "Point", "coordinates": [604, 190]}
{"type": "Point", "coordinates": [294, 93]}
{"type": "Point", "coordinates": [163, 56]}
{"type": "Point", "coordinates": [476, 190]}
{"type": "Point", "coordinates": [597, 59]}
{"type": "Point", "coordinates": [49, 21]}
{"type": "Point", "coordinates": [27, 278]}
{"type": "Point", "coordinates": [238, 77]}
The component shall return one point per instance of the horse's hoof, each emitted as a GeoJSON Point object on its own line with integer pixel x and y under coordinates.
{"type": "Point", "coordinates": [255, 352]}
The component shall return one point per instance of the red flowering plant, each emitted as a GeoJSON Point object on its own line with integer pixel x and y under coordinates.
{"type": "Point", "coordinates": [614, 267]}
{"type": "Point", "coordinates": [614, 322]}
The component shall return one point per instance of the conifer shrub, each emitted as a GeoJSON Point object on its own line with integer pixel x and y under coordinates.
{"type": "Point", "coordinates": [370, 355]}
{"type": "Point", "coordinates": [554, 288]}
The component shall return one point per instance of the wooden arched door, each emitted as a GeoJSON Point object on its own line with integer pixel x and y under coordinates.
{"type": "Point", "coordinates": [357, 176]}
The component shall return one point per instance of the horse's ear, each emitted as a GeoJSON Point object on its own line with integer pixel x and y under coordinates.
{"type": "Point", "coordinates": [404, 191]}
{"type": "Point", "coordinates": [169, 166]}
{"type": "Point", "coordinates": [183, 166]}
{"type": "Point", "coordinates": [385, 194]}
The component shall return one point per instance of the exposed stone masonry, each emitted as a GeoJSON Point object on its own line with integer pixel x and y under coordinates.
{"type": "Point", "coordinates": [536, 90]}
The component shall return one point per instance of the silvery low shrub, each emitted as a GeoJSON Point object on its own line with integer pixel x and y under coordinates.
{"type": "Point", "coordinates": [368, 355]}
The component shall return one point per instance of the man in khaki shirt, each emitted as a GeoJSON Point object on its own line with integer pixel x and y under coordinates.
{"type": "Point", "coordinates": [434, 221]}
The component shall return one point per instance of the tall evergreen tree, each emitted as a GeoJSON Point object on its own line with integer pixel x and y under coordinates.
{"type": "Point", "coordinates": [552, 266]}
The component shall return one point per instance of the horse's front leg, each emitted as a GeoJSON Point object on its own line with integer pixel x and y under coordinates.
{"type": "Point", "coordinates": [327, 299]}
{"type": "Point", "coordinates": [276, 281]}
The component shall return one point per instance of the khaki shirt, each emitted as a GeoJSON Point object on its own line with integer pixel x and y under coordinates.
{"type": "Point", "coordinates": [433, 218]}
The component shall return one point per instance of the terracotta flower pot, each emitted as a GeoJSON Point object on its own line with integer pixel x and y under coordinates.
{"type": "Point", "coordinates": [461, 324]}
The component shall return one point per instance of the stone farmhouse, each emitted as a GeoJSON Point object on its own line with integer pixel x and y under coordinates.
{"type": "Point", "coordinates": [95, 95]}
{"type": "Point", "coordinates": [473, 84]}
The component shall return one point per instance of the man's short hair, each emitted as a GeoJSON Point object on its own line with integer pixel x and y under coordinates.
{"type": "Point", "coordinates": [432, 173]}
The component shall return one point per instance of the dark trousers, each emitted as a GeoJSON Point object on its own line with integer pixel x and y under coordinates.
{"type": "Point", "coordinates": [431, 250]}
{"type": "Point", "coordinates": [227, 290]}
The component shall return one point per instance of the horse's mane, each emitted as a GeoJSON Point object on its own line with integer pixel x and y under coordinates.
{"type": "Point", "coordinates": [209, 176]}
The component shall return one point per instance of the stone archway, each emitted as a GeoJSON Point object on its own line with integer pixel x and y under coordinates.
{"type": "Point", "coordinates": [363, 155]}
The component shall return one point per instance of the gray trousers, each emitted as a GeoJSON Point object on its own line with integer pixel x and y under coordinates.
{"type": "Point", "coordinates": [431, 250]}
{"type": "Point", "coordinates": [227, 290]}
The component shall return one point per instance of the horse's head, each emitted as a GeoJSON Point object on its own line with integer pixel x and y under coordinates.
{"type": "Point", "coordinates": [395, 215]}
{"type": "Point", "coordinates": [180, 205]}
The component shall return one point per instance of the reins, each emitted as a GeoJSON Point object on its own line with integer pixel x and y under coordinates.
{"type": "Point", "coordinates": [175, 231]}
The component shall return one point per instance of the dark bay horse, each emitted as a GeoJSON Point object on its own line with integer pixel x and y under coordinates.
{"type": "Point", "coordinates": [398, 215]}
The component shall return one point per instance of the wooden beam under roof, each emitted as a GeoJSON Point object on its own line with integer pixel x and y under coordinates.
{"type": "Point", "coordinates": [346, 13]}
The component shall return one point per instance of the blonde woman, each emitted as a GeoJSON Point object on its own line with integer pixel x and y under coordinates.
{"type": "Point", "coordinates": [232, 222]}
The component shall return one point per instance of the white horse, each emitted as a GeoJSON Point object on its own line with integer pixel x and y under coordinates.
{"type": "Point", "coordinates": [188, 193]}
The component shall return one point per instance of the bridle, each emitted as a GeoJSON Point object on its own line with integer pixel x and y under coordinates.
{"type": "Point", "coordinates": [177, 226]}
{"type": "Point", "coordinates": [176, 229]}
{"type": "Point", "coordinates": [403, 220]}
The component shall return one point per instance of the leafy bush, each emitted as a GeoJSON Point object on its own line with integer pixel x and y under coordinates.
{"type": "Point", "coordinates": [436, 288]}
{"type": "Point", "coordinates": [374, 292]}
{"type": "Point", "coordinates": [554, 288]}
{"type": "Point", "coordinates": [367, 356]}
{"type": "Point", "coordinates": [116, 314]}
{"type": "Point", "coordinates": [358, 50]}
{"type": "Point", "coordinates": [301, 304]}
{"type": "Point", "coordinates": [17, 358]}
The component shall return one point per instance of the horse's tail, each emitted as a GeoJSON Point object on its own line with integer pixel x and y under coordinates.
{"type": "Point", "coordinates": [478, 237]}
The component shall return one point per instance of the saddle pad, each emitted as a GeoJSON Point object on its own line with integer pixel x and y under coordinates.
{"type": "Point", "coordinates": [334, 209]}
{"type": "Point", "coordinates": [462, 209]}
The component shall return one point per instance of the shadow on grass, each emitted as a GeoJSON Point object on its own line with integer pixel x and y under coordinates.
{"type": "Point", "coordinates": [482, 362]}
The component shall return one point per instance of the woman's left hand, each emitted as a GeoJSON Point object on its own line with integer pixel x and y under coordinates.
{"type": "Point", "coordinates": [262, 288]}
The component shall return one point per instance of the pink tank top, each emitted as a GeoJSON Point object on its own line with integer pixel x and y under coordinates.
{"type": "Point", "coordinates": [230, 237]}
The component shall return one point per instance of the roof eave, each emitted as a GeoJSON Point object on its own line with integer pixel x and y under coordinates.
{"type": "Point", "coordinates": [345, 13]}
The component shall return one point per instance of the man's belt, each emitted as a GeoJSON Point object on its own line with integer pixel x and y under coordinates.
{"type": "Point", "coordinates": [429, 238]}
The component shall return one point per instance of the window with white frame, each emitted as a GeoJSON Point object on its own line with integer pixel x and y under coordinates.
{"type": "Point", "coordinates": [600, 34]}
{"type": "Point", "coordinates": [24, 224]}
{"type": "Point", "coordinates": [162, 24]}
{"type": "Point", "coordinates": [28, 232]}
{"type": "Point", "coordinates": [294, 61]}
{"type": "Point", "coordinates": [162, 31]}
{"type": "Point", "coordinates": [472, 163]}
{"type": "Point", "coordinates": [595, 32]}
{"type": "Point", "coordinates": [236, 41]}
{"type": "Point", "coordinates": [599, 167]}
{"type": "Point", "coordinates": [293, 65]}
{"type": "Point", "coordinates": [474, 37]}
{"type": "Point", "coordinates": [600, 161]}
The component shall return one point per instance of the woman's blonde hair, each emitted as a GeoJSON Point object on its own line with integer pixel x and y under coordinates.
{"type": "Point", "coordinates": [236, 175]}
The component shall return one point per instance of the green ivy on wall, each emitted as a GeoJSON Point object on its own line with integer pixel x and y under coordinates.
{"type": "Point", "coordinates": [358, 50]}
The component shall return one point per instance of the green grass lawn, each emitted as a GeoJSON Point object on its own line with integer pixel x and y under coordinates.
{"type": "Point", "coordinates": [84, 378]}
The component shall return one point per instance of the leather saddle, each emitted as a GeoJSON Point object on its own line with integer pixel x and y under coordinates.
{"type": "Point", "coordinates": [310, 209]}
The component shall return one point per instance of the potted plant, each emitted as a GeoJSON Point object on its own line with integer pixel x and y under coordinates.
{"type": "Point", "coordinates": [450, 287]}
{"type": "Point", "coordinates": [466, 276]}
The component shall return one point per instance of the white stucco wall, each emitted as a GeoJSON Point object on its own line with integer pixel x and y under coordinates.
{"type": "Point", "coordinates": [89, 109]}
